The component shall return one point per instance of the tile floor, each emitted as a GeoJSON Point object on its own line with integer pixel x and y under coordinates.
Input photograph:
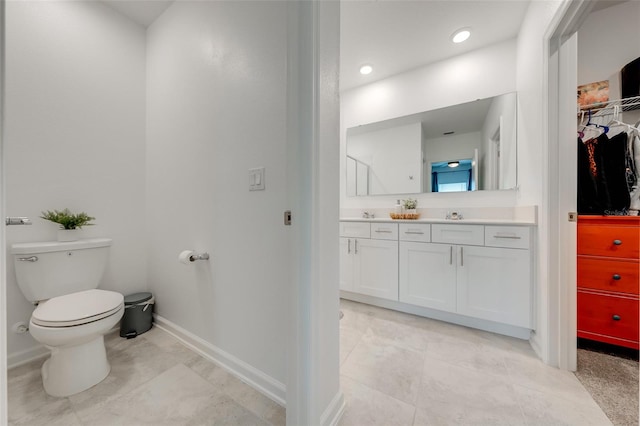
{"type": "Point", "coordinates": [154, 380]}
{"type": "Point", "coordinates": [399, 369]}
{"type": "Point", "coordinates": [396, 369]}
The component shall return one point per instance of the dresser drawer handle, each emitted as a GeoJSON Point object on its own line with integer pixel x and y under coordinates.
{"type": "Point", "coordinates": [383, 231]}
{"type": "Point", "coordinates": [616, 277]}
{"type": "Point", "coordinates": [511, 237]}
{"type": "Point", "coordinates": [617, 242]}
{"type": "Point", "coordinates": [616, 317]}
{"type": "Point", "coordinates": [414, 232]}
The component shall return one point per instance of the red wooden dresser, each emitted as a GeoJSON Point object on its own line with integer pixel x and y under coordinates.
{"type": "Point", "coordinates": [608, 262]}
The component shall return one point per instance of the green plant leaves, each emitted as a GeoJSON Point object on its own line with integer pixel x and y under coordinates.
{"type": "Point", "coordinates": [68, 220]}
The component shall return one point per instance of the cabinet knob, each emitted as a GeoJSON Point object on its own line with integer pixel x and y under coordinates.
{"type": "Point", "coordinates": [616, 317]}
{"type": "Point", "coordinates": [616, 277]}
{"type": "Point", "coordinates": [617, 242]}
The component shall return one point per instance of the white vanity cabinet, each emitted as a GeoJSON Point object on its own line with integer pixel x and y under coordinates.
{"type": "Point", "coordinates": [474, 270]}
{"type": "Point", "coordinates": [495, 284]}
{"type": "Point", "coordinates": [471, 272]}
{"type": "Point", "coordinates": [427, 275]}
{"type": "Point", "coordinates": [369, 259]}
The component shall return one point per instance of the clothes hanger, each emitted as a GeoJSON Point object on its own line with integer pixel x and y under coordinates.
{"type": "Point", "coordinates": [605, 129]}
{"type": "Point", "coordinates": [593, 129]}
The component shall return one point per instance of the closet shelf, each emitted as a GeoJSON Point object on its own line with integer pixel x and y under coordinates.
{"type": "Point", "coordinates": [610, 107]}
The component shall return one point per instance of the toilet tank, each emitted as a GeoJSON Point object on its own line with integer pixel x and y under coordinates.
{"type": "Point", "coordinates": [49, 269]}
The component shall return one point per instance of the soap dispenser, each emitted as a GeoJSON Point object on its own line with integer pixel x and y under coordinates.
{"type": "Point", "coordinates": [398, 207]}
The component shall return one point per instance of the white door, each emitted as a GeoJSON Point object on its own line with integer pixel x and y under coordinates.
{"type": "Point", "coordinates": [428, 275]}
{"type": "Point", "coordinates": [376, 268]}
{"type": "Point", "coordinates": [495, 284]}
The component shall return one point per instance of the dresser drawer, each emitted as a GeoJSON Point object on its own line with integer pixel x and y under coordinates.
{"type": "Point", "coordinates": [608, 274]}
{"type": "Point", "coordinates": [610, 241]}
{"type": "Point", "coordinates": [419, 232]}
{"type": "Point", "coordinates": [507, 236]}
{"type": "Point", "coordinates": [606, 315]}
{"type": "Point", "coordinates": [384, 231]}
{"type": "Point", "coordinates": [458, 234]}
{"type": "Point", "coordinates": [355, 229]}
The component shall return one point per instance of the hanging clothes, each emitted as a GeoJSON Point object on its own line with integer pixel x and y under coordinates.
{"type": "Point", "coordinates": [614, 158]}
{"type": "Point", "coordinates": [593, 197]}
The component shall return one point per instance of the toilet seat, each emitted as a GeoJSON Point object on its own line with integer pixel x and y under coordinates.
{"type": "Point", "coordinates": [77, 308]}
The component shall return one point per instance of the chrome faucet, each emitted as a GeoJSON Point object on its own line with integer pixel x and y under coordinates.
{"type": "Point", "coordinates": [453, 216]}
{"type": "Point", "coordinates": [368, 215]}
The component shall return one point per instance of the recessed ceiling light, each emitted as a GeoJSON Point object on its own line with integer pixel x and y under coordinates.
{"type": "Point", "coordinates": [366, 69]}
{"type": "Point", "coordinates": [453, 163]}
{"type": "Point", "coordinates": [461, 35]}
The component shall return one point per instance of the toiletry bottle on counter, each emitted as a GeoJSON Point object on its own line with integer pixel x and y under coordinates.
{"type": "Point", "coordinates": [398, 207]}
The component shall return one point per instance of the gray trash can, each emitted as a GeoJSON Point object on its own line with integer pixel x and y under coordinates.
{"type": "Point", "coordinates": [138, 314]}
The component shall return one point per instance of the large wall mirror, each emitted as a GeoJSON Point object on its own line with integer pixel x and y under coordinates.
{"type": "Point", "coordinates": [466, 147]}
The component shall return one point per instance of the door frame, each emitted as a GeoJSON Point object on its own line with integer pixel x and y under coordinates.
{"type": "Point", "coordinates": [561, 181]}
{"type": "Point", "coordinates": [4, 415]}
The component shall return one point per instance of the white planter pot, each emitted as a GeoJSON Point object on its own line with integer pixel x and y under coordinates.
{"type": "Point", "coordinates": [68, 235]}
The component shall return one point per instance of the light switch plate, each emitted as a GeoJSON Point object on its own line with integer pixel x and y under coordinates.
{"type": "Point", "coordinates": [256, 179]}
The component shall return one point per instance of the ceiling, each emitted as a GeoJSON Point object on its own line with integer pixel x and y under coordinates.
{"type": "Point", "coordinates": [395, 35]}
{"type": "Point", "coordinates": [144, 12]}
{"type": "Point", "coordinates": [436, 122]}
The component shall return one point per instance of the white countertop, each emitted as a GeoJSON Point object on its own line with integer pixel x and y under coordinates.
{"type": "Point", "coordinates": [447, 221]}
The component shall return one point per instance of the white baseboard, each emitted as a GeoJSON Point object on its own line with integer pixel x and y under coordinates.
{"type": "Point", "coordinates": [17, 359]}
{"type": "Point", "coordinates": [334, 411]}
{"type": "Point", "coordinates": [493, 327]}
{"type": "Point", "coordinates": [262, 382]}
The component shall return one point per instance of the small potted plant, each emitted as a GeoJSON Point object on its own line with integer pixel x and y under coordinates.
{"type": "Point", "coordinates": [69, 222]}
{"type": "Point", "coordinates": [410, 205]}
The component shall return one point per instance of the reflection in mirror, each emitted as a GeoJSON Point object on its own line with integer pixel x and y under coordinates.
{"type": "Point", "coordinates": [418, 153]}
{"type": "Point", "coordinates": [452, 176]}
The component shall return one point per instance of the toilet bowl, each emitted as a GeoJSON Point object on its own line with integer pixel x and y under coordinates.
{"type": "Point", "coordinates": [72, 315]}
{"type": "Point", "coordinates": [73, 328]}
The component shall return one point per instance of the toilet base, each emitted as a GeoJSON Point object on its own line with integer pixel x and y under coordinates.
{"type": "Point", "coordinates": [73, 369]}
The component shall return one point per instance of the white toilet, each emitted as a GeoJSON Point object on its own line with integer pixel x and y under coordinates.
{"type": "Point", "coordinates": [72, 316]}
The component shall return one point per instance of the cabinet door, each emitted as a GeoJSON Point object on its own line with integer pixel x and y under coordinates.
{"type": "Point", "coordinates": [346, 263]}
{"type": "Point", "coordinates": [376, 268]}
{"type": "Point", "coordinates": [428, 275]}
{"type": "Point", "coordinates": [495, 284]}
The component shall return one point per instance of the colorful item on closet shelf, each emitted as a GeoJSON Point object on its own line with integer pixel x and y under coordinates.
{"type": "Point", "coordinates": [593, 93]}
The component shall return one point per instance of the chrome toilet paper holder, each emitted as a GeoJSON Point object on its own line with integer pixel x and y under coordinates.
{"type": "Point", "coordinates": [199, 256]}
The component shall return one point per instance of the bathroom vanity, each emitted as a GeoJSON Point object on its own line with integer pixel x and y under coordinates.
{"type": "Point", "coordinates": [477, 273]}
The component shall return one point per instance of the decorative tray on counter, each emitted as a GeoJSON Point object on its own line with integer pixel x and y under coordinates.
{"type": "Point", "coordinates": [405, 216]}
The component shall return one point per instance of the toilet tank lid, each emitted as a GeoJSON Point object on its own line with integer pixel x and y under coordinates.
{"type": "Point", "coordinates": [51, 246]}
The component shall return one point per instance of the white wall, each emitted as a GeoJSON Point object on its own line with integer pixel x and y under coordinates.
{"type": "Point", "coordinates": [393, 157]}
{"type": "Point", "coordinates": [622, 45]}
{"type": "Point", "coordinates": [479, 74]}
{"type": "Point", "coordinates": [607, 41]}
{"type": "Point", "coordinates": [75, 133]}
{"type": "Point", "coordinates": [216, 107]}
{"type": "Point", "coordinates": [532, 146]}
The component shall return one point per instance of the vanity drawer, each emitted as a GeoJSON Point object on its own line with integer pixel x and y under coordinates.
{"type": "Point", "coordinates": [384, 231]}
{"type": "Point", "coordinates": [608, 274]}
{"type": "Point", "coordinates": [420, 232]}
{"type": "Point", "coordinates": [507, 236]}
{"type": "Point", "coordinates": [355, 229]}
{"type": "Point", "coordinates": [610, 241]}
{"type": "Point", "coordinates": [606, 318]}
{"type": "Point", "coordinates": [458, 234]}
